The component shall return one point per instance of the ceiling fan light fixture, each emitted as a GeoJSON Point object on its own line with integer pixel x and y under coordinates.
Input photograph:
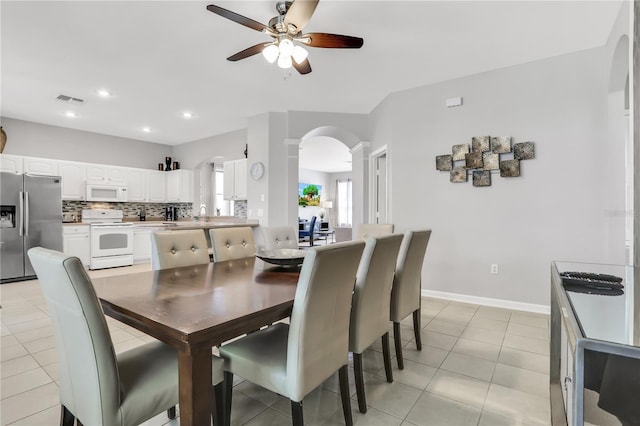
{"type": "Point", "coordinates": [284, 61]}
{"type": "Point", "coordinates": [286, 47]}
{"type": "Point", "coordinates": [299, 54]}
{"type": "Point", "coordinates": [271, 53]}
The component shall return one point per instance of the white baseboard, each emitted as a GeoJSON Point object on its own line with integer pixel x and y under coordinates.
{"type": "Point", "coordinates": [488, 301]}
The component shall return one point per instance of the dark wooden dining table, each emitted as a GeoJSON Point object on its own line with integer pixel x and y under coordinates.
{"type": "Point", "coordinates": [195, 308]}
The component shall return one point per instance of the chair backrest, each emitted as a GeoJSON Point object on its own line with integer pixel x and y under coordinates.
{"type": "Point", "coordinates": [372, 294]}
{"type": "Point", "coordinates": [173, 249]}
{"type": "Point", "coordinates": [232, 243]}
{"type": "Point", "coordinates": [318, 342]}
{"type": "Point", "coordinates": [405, 295]}
{"type": "Point", "coordinates": [308, 232]}
{"type": "Point", "coordinates": [87, 366]}
{"type": "Point", "coordinates": [277, 237]}
{"type": "Point", "coordinates": [367, 230]}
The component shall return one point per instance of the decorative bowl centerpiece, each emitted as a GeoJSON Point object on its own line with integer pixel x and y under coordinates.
{"type": "Point", "coordinates": [282, 257]}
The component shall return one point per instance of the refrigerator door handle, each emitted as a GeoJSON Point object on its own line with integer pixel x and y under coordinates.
{"type": "Point", "coordinates": [21, 203]}
{"type": "Point", "coordinates": [26, 213]}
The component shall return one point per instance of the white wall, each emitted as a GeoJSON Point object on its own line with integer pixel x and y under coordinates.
{"type": "Point", "coordinates": [230, 146]}
{"type": "Point", "coordinates": [552, 211]}
{"type": "Point", "coordinates": [61, 143]}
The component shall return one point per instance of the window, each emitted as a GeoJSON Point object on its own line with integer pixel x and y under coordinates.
{"type": "Point", "coordinates": [344, 202]}
{"type": "Point", "coordinates": [224, 206]}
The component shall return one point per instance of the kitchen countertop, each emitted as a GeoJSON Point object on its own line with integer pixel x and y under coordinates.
{"type": "Point", "coordinates": [184, 224]}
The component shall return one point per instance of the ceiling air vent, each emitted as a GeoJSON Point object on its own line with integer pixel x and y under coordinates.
{"type": "Point", "coordinates": [70, 99]}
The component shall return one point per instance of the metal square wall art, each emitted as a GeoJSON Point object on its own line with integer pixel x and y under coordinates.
{"type": "Point", "coordinates": [481, 178]}
{"type": "Point", "coordinates": [524, 151]}
{"type": "Point", "coordinates": [490, 161]}
{"type": "Point", "coordinates": [510, 168]}
{"type": "Point", "coordinates": [459, 151]}
{"type": "Point", "coordinates": [458, 174]}
{"type": "Point", "coordinates": [473, 160]}
{"type": "Point", "coordinates": [480, 143]}
{"type": "Point", "coordinates": [444, 162]}
{"type": "Point", "coordinates": [501, 144]}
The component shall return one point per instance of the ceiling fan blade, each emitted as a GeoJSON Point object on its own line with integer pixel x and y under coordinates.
{"type": "Point", "coordinates": [336, 41]}
{"type": "Point", "coordinates": [300, 12]}
{"type": "Point", "coordinates": [303, 68]}
{"type": "Point", "coordinates": [249, 51]}
{"type": "Point", "coordinates": [242, 20]}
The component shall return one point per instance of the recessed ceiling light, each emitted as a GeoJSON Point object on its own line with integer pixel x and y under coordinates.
{"type": "Point", "coordinates": [187, 114]}
{"type": "Point", "coordinates": [104, 93]}
{"type": "Point", "coordinates": [146, 129]}
{"type": "Point", "coordinates": [70, 114]}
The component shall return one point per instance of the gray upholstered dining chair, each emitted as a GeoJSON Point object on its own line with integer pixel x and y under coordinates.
{"type": "Point", "coordinates": [369, 309]}
{"type": "Point", "coordinates": [276, 237]}
{"type": "Point", "coordinates": [366, 230]}
{"type": "Point", "coordinates": [173, 249]}
{"type": "Point", "coordinates": [232, 243]}
{"type": "Point", "coordinates": [294, 359]}
{"type": "Point", "coordinates": [405, 294]}
{"type": "Point", "coordinates": [98, 386]}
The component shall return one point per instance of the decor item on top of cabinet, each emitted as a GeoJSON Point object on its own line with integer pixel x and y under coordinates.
{"type": "Point", "coordinates": [487, 154]}
{"type": "Point", "coordinates": [167, 161]}
{"type": "Point", "coordinates": [160, 167]}
{"type": "Point", "coordinates": [246, 150]}
{"type": "Point", "coordinates": [3, 139]}
{"type": "Point", "coordinates": [176, 165]}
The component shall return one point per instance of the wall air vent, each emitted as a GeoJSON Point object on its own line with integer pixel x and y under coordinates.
{"type": "Point", "coordinates": [70, 99]}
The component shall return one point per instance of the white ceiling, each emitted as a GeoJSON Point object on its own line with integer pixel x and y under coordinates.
{"type": "Point", "coordinates": [324, 154]}
{"type": "Point", "coordinates": [162, 58]}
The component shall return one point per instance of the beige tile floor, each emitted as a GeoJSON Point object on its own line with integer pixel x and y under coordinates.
{"type": "Point", "coordinates": [478, 366]}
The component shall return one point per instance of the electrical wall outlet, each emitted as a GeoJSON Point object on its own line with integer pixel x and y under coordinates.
{"type": "Point", "coordinates": [494, 268]}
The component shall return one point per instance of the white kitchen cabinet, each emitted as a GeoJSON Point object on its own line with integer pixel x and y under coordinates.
{"type": "Point", "coordinates": [179, 187]}
{"type": "Point", "coordinates": [76, 242]}
{"type": "Point", "coordinates": [73, 180]}
{"type": "Point", "coordinates": [156, 186]}
{"type": "Point", "coordinates": [141, 245]}
{"type": "Point", "coordinates": [235, 179]}
{"type": "Point", "coordinates": [40, 166]}
{"type": "Point", "coordinates": [136, 185]}
{"type": "Point", "coordinates": [11, 163]}
{"type": "Point", "coordinates": [108, 174]}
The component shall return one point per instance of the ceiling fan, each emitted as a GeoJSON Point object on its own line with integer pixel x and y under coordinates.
{"type": "Point", "coordinates": [286, 31]}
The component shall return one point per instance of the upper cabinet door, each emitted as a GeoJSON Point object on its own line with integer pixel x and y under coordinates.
{"type": "Point", "coordinates": [137, 185]}
{"type": "Point", "coordinates": [240, 176]}
{"type": "Point", "coordinates": [107, 174]}
{"type": "Point", "coordinates": [11, 163]}
{"type": "Point", "coordinates": [156, 186]}
{"type": "Point", "coordinates": [73, 180]}
{"type": "Point", "coordinates": [41, 166]}
{"type": "Point", "coordinates": [179, 186]}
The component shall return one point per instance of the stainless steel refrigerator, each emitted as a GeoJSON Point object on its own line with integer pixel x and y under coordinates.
{"type": "Point", "coordinates": [30, 216]}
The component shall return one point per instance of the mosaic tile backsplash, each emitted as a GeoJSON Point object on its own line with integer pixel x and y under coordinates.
{"type": "Point", "coordinates": [130, 210]}
{"type": "Point", "coordinates": [153, 210]}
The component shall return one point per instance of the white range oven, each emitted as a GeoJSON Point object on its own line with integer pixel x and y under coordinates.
{"type": "Point", "coordinates": [111, 239]}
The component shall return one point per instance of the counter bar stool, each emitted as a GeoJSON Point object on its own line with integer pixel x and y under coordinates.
{"type": "Point", "coordinates": [97, 386]}
{"type": "Point", "coordinates": [371, 299]}
{"type": "Point", "coordinates": [232, 243]}
{"type": "Point", "coordinates": [292, 360]}
{"type": "Point", "coordinates": [405, 295]}
{"type": "Point", "coordinates": [173, 249]}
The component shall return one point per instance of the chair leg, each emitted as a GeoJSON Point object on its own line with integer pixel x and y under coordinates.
{"type": "Point", "coordinates": [171, 412]}
{"type": "Point", "coordinates": [228, 389]}
{"type": "Point", "coordinates": [218, 413]}
{"type": "Point", "coordinates": [66, 418]}
{"type": "Point", "coordinates": [297, 414]}
{"type": "Point", "coordinates": [416, 329]}
{"type": "Point", "coordinates": [387, 357]}
{"type": "Point", "coordinates": [343, 375]}
{"type": "Point", "coordinates": [359, 376]}
{"type": "Point", "coordinates": [79, 423]}
{"type": "Point", "coordinates": [398, 342]}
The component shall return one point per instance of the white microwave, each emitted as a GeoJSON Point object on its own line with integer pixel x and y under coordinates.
{"type": "Point", "coordinates": [106, 192]}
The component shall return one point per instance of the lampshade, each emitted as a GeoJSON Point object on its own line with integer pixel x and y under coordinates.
{"type": "Point", "coordinates": [327, 204]}
{"type": "Point", "coordinates": [286, 47]}
{"type": "Point", "coordinates": [284, 61]}
{"type": "Point", "coordinates": [270, 53]}
{"type": "Point", "coordinates": [299, 54]}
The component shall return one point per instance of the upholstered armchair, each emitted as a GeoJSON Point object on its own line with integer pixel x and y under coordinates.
{"type": "Point", "coordinates": [308, 232]}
